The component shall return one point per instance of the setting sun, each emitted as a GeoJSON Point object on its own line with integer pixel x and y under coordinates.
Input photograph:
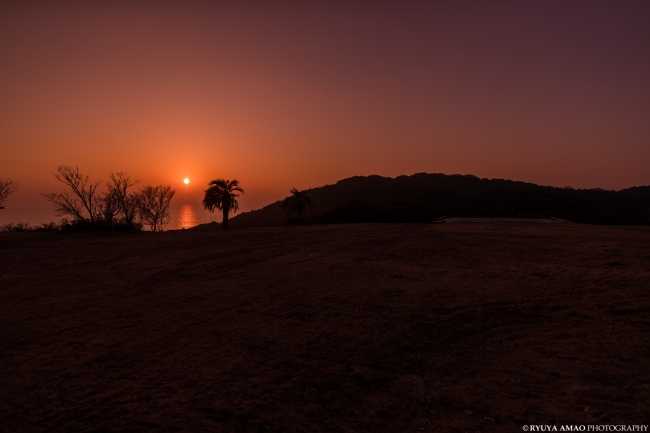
{"type": "Point", "coordinates": [186, 181]}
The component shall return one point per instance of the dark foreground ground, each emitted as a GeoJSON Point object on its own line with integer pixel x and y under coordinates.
{"type": "Point", "coordinates": [347, 328]}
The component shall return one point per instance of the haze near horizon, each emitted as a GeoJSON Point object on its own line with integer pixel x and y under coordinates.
{"type": "Point", "coordinates": [296, 95]}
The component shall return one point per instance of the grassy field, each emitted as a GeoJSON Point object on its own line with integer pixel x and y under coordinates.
{"type": "Point", "coordinates": [347, 328]}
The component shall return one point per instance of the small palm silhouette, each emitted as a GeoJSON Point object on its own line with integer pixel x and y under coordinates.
{"type": "Point", "coordinates": [222, 195]}
{"type": "Point", "coordinates": [297, 202]}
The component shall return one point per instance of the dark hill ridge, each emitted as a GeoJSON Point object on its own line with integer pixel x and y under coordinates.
{"type": "Point", "coordinates": [423, 197]}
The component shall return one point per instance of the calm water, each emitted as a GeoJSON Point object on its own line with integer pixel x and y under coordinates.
{"type": "Point", "coordinates": [188, 215]}
{"type": "Point", "coordinates": [183, 216]}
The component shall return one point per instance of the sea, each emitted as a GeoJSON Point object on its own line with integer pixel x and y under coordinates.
{"type": "Point", "coordinates": [183, 216]}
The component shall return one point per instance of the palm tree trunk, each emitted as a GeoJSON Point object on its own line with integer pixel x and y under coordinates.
{"type": "Point", "coordinates": [224, 224]}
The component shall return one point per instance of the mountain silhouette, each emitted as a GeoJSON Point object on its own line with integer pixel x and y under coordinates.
{"type": "Point", "coordinates": [424, 197]}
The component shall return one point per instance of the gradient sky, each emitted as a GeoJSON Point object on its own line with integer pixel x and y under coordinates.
{"type": "Point", "coordinates": [282, 95]}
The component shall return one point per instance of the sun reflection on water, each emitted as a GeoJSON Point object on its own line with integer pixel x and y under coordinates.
{"type": "Point", "coordinates": [187, 217]}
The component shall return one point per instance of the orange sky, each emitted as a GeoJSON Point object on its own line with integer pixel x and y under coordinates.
{"type": "Point", "coordinates": [297, 95]}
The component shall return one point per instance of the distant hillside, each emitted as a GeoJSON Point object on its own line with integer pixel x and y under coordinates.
{"type": "Point", "coordinates": [422, 198]}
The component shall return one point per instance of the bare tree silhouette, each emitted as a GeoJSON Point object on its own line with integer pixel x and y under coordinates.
{"type": "Point", "coordinates": [7, 187]}
{"type": "Point", "coordinates": [125, 202]}
{"type": "Point", "coordinates": [115, 207]}
{"type": "Point", "coordinates": [82, 201]}
{"type": "Point", "coordinates": [297, 202]}
{"type": "Point", "coordinates": [222, 195]}
{"type": "Point", "coordinates": [153, 205]}
{"type": "Point", "coordinates": [107, 208]}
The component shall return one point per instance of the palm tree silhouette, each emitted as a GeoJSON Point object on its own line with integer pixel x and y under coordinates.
{"type": "Point", "coordinates": [222, 195]}
{"type": "Point", "coordinates": [297, 202]}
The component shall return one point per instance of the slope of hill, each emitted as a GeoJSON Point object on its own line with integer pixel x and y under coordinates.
{"type": "Point", "coordinates": [424, 197]}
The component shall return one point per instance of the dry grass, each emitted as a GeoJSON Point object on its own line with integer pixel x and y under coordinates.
{"type": "Point", "coordinates": [323, 329]}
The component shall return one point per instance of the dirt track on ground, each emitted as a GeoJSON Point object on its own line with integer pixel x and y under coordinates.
{"type": "Point", "coordinates": [347, 328]}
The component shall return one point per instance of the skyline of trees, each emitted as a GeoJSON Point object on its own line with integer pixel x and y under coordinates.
{"type": "Point", "coordinates": [421, 197]}
{"type": "Point", "coordinates": [117, 207]}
